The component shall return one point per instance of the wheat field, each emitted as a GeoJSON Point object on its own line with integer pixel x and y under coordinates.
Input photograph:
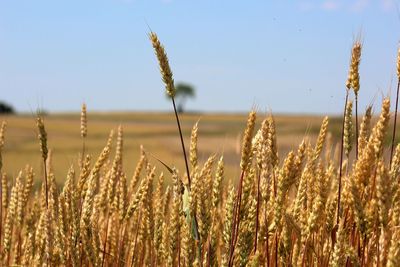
{"type": "Point", "coordinates": [331, 200]}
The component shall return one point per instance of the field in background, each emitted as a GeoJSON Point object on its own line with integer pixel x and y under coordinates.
{"type": "Point", "coordinates": [218, 133]}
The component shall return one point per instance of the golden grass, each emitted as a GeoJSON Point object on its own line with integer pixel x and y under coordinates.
{"type": "Point", "coordinates": [266, 202]}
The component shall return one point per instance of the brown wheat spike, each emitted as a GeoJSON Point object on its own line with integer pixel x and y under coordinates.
{"type": "Point", "coordinates": [42, 138]}
{"type": "Point", "coordinates": [165, 70]}
{"type": "Point", "coordinates": [45, 152]}
{"type": "Point", "coordinates": [83, 121]}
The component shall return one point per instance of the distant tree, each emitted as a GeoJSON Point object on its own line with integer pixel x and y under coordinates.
{"type": "Point", "coordinates": [183, 92]}
{"type": "Point", "coordinates": [6, 108]}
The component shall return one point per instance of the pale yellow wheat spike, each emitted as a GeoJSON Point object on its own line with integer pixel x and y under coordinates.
{"type": "Point", "coordinates": [302, 202]}
{"type": "Point", "coordinates": [272, 142]}
{"type": "Point", "coordinates": [395, 168]}
{"type": "Point", "coordinates": [394, 251]}
{"type": "Point", "coordinates": [175, 221]}
{"type": "Point", "coordinates": [158, 215]}
{"type": "Point", "coordinates": [85, 172]}
{"type": "Point", "coordinates": [141, 194]}
{"type": "Point", "coordinates": [321, 138]}
{"type": "Point", "coordinates": [139, 167]}
{"type": "Point", "coordinates": [338, 258]}
{"type": "Point", "coordinates": [28, 183]}
{"type": "Point", "coordinates": [165, 69]}
{"type": "Point", "coordinates": [283, 185]}
{"type": "Point", "coordinates": [115, 168]}
{"type": "Point", "coordinates": [261, 145]}
{"type": "Point", "coordinates": [203, 201]}
{"type": "Point", "coordinates": [364, 130]}
{"type": "Point", "coordinates": [193, 146]}
{"type": "Point", "coordinates": [379, 132]}
{"type": "Point", "coordinates": [61, 241]}
{"type": "Point", "coordinates": [4, 191]}
{"type": "Point", "coordinates": [87, 205]}
{"type": "Point", "coordinates": [83, 121]}
{"type": "Point", "coordinates": [217, 185]}
{"type": "Point", "coordinates": [247, 138]}
{"type": "Point", "coordinates": [20, 199]}
{"type": "Point", "coordinates": [322, 185]}
{"type": "Point", "coordinates": [398, 63]}
{"type": "Point", "coordinates": [101, 160]}
{"type": "Point", "coordinates": [28, 247]}
{"type": "Point", "coordinates": [166, 200]}
{"type": "Point", "coordinates": [53, 194]}
{"type": "Point", "coordinates": [49, 238]}
{"type": "Point", "coordinates": [354, 77]}
{"type": "Point", "coordinates": [186, 244]}
{"type": "Point", "coordinates": [49, 162]}
{"type": "Point", "coordinates": [384, 194]}
{"type": "Point", "coordinates": [227, 227]}
{"type": "Point", "coordinates": [301, 153]}
{"type": "Point", "coordinates": [122, 196]}
{"type": "Point", "coordinates": [372, 214]}
{"type": "Point", "coordinates": [10, 219]}
{"type": "Point", "coordinates": [246, 231]}
{"type": "Point", "coordinates": [348, 129]}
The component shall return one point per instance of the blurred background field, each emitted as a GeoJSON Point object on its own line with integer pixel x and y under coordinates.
{"type": "Point", "coordinates": [218, 133]}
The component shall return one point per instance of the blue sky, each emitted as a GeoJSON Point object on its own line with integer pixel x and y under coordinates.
{"type": "Point", "coordinates": [284, 56]}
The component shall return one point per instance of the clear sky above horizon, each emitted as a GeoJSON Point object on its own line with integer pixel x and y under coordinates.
{"type": "Point", "coordinates": [284, 56]}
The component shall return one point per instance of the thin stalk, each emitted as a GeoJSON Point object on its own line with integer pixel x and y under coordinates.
{"type": "Point", "coordinates": [182, 142]}
{"type": "Point", "coordinates": [341, 160]}
{"type": "Point", "coordinates": [356, 96]}
{"type": "Point", "coordinates": [179, 249]}
{"type": "Point", "coordinates": [1, 211]}
{"type": "Point", "coordinates": [83, 152]}
{"type": "Point", "coordinates": [105, 240]}
{"type": "Point", "coordinates": [267, 239]}
{"type": "Point", "coordinates": [276, 248]}
{"type": "Point", "coordinates": [45, 180]}
{"type": "Point", "coordinates": [122, 236]}
{"type": "Point", "coordinates": [188, 173]}
{"type": "Point", "coordinates": [395, 122]}
{"type": "Point", "coordinates": [236, 220]}
{"type": "Point", "coordinates": [257, 211]}
{"type": "Point", "coordinates": [136, 237]}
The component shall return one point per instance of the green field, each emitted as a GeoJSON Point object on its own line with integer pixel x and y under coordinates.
{"type": "Point", "coordinates": [218, 133]}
